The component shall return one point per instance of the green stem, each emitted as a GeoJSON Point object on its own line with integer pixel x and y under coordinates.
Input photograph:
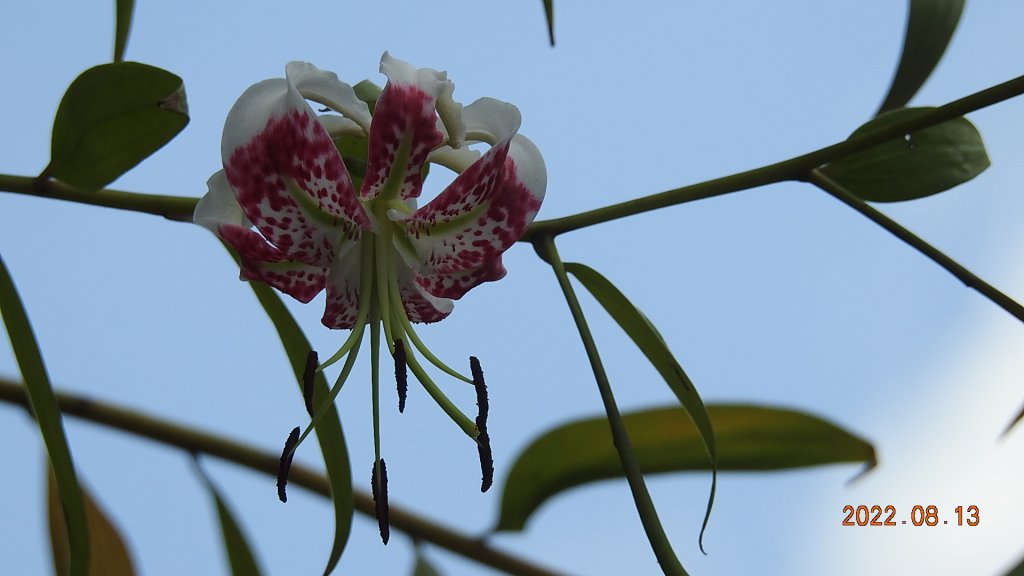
{"type": "Point", "coordinates": [171, 207]}
{"type": "Point", "coordinates": [822, 181]}
{"type": "Point", "coordinates": [792, 169]}
{"type": "Point", "coordinates": [666, 556]}
{"type": "Point", "coordinates": [194, 440]}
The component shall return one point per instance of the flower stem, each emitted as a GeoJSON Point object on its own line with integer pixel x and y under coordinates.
{"type": "Point", "coordinates": [194, 440]}
{"type": "Point", "coordinates": [793, 169]}
{"type": "Point", "coordinates": [170, 207]}
{"type": "Point", "coordinates": [822, 181]}
{"type": "Point", "coordinates": [666, 556]}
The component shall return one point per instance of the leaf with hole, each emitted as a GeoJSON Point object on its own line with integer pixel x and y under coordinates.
{"type": "Point", "coordinates": [111, 118]}
{"type": "Point", "coordinates": [749, 438]}
{"type": "Point", "coordinates": [920, 164]}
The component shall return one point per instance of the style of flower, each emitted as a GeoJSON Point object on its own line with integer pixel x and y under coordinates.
{"type": "Point", "coordinates": [312, 201]}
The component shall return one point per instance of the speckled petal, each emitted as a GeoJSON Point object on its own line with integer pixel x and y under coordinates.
{"type": "Point", "coordinates": [265, 263]}
{"type": "Point", "coordinates": [287, 175]}
{"type": "Point", "coordinates": [483, 212]}
{"type": "Point", "coordinates": [325, 87]}
{"type": "Point", "coordinates": [219, 206]}
{"type": "Point", "coordinates": [420, 305]}
{"type": "Point", "coordinates": [404, 130]}
{"type": "Point", "coordinates": [456, 284]}
{"type": "Point", "coordinates": [343, 290]}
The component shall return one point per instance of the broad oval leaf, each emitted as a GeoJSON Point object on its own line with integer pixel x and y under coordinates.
{"type": "Point", "coordinates": [920, 164]}
{"type": "Point", "coordinates": [240, 556]}
{"type": "Point", "coordinates": [328, 432]}
{"type": "Point", "coordinates": [108, 554]}
{"type": "Point", "coordinates": [930, 26]}
{"type": "Point", "coordinates": [651, 343]}
{"type": "Point", "coordinates": [43, 406]}
{"type": "Point", "coordinates": [749, 438]}
{"type": "Point", "coordinates": [123, 26]}
{"type": "Point", "coordinates": [111, 118]}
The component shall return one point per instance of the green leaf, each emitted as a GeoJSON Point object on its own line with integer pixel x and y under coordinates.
{"type": "Point", "coordinates": [108, 555]}
{"type": "Point", "coordinates": [328, 431]}
{"type": "Point", "coordinates": [368, 92]}
{"type": "Point", "coordinates": [240, 556]}
{"type": "Point", "coordinates": [549, 15]}
{"type": "Point", "coordinates": [920, 164]}
{"type": "Point", "coordinates": [44, 408]}
{"type": "Point", "coordinates": [750, 438]}
{"type": "Point", "coordinates": [930, 26]}
{"type": "Point", "coordinates": [111, 118]}
{"type": "Point", "coordinates": [423, 567]}
{"type": "Point", "coordinates": [650, 342]}
{"type": "Point", "coordinates": [124, 25]}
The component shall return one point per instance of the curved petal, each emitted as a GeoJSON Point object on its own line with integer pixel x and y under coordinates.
{"type": "Point", "coordinates": [404, 130]}
{"type": "Point", "coordinates": [420, 305]}
{"type": "Point", "coordinates": [491, 120]}
{"type": "Point", "coordinates": [456, 284]}
{"type": "Point", "coordinates": [325, 87]}
{"type": "Point", "coordinates": [338, 126]}
{"type": "Point", "coordinates": [268, 264]}
{"type": "Point", "coordinates": [483, 212]}
{"type": "Point", "coordinates": [343, 290]}
{"type": "Point", "coordinates": [287, 175]}
{"type": "Point", "coordinates": [452, 122]}
{"type": "Point", "coordinates": [218, 206]}
{"type": "Point", "coordinates": [456, 160]}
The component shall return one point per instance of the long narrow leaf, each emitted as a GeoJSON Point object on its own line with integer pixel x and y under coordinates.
{"type": "Point", "coordinates": [549, 16]}
{"type": "Point", "coordinates": [108, 554]}
{"type": "Point", "coordinates": [239, 553]}
{"type": "Point", "coordinates": [328, 431]}
{"type": "Point", "coordinates": [650, 342]}
{"type": "Point", "coordinates": [125, 8]}
{"type": "Point", "coordinates": [47, 415]}
{"type": "Point", "coordinates": [930, 27]}
{"type": "Point", "coordinates": [750, 438]}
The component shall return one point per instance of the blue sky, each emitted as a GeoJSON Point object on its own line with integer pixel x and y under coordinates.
{"type": "Point", "coordinates": [778, 295]}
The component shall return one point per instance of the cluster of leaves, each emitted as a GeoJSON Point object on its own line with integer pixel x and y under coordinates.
{"type": "Point", "coordinates": [115, 115]}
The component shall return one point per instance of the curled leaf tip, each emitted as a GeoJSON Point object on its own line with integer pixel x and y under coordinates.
{"type": "Point", "coordinates": [379, 489]}
{"type": "Point", "coordinates": [483, 439]}
{"type": "Point", "coordinates": [308, 378]}
{"type": "Point", "coordinates": [401, 374]}
{"type": "Point", "coordinates": [286, 463]}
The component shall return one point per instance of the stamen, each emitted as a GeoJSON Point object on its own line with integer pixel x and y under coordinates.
{"type": "Point", "coordinates": [379, 489]}
{"type": "Point", "coordinates": [308, 377]}
{"type": "Point", "coordinates": [286, 463]}
{"type": "Point", "coordinates": [483, 440]}
{"type": "Point", "coordinates": [401, 374]}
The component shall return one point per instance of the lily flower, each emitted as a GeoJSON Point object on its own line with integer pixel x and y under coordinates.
{"type": "Point", "coordinates": [312, 202]}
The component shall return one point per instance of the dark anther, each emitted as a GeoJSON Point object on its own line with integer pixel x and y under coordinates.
{"type": "Point", "coordinates": [380, 499]}
{"type": "Point", "coordinates": [308, 378]}
{"type": "Point", "coordinates": [401, 374]}
{"type": "Point", "coordinates": [286, 463]}
{"type": "Point", "coordinates": [483, 440]}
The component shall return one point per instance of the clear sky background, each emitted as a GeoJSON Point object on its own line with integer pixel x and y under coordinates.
{"type": "Point", "coordinates": [778, 295]}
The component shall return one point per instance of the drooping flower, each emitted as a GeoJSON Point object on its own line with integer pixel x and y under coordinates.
{"type": "Point", "coordinates": [312, 201]}
{"type": "Point", "coordinates": [315, 218]}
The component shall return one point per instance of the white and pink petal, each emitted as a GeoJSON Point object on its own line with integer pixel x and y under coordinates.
{"type": "Point", "coordinates": [420, 305]}
{"type": "Point", "coordinates": [219, 206]}
{"type": "Point", "coordinates": [265, 263]}
{"type": "Point", "coordinates": [404, 130]}
{"type": "Point", "coordinates": [455, 284]}
{"type": "Point", "coordinates": [483, 212]}
{"type": "Point", "coordinates": [287, 175]}
{"type": "Point", "coordinates": [343, 286]}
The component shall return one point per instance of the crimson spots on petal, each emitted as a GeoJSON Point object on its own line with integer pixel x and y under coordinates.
{"type": "Point", "coordinates": [402, 111]}
{"type": "Point", "coordinates": [294, 149]}
{"type": "Point", "coordinates": [455, 284]}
